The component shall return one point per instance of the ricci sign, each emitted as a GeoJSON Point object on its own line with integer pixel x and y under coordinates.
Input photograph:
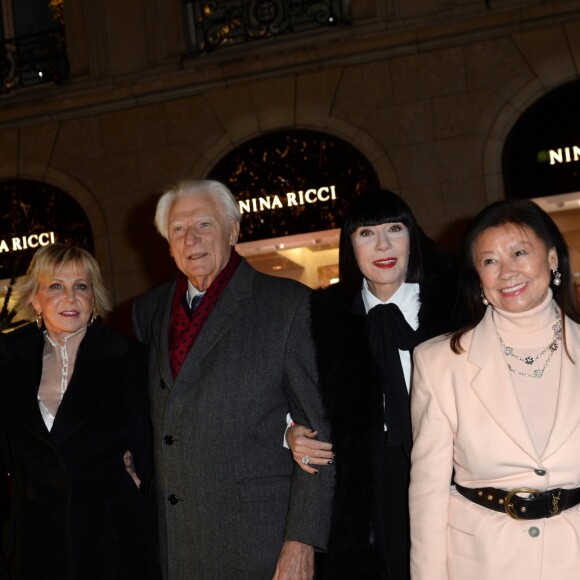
{"type": "Point", "coordinates": [32, 241]}
{"type": "Point", "coordinates": [291, 199]}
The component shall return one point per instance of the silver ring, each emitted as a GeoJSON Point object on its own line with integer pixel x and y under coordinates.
{"type": "Point", "coordinates": [305, 460]}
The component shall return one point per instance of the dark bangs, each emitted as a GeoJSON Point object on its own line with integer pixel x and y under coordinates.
{"type": "Point", "coordinates": [374, 216]}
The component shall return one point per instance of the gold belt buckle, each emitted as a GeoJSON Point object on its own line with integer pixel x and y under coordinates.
{"type": "Point", "coordinates": [509, 507]}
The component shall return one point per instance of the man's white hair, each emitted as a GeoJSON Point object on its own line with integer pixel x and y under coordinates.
{"type": "Point", "coordinates": [193, 187]}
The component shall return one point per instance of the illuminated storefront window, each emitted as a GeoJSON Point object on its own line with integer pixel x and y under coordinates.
{"type": "Point", "coordinates": [293, 188]}
{"type": "Point", "coordinates": [542, 153]}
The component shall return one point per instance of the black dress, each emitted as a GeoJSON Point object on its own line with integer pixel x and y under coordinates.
{"type": "Point", "coordinates": [75, 513]}
{"type": "Point", "coordinates": [352, 389]}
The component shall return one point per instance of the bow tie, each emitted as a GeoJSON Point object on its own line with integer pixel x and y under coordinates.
{"type": "Point", "coordinates": [391, 321]}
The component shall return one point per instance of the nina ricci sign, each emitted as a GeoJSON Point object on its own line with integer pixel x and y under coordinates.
{"type": "Point", "coordinates": [291, 199]}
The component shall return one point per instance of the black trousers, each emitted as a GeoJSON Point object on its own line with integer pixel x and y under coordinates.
{"type": "Point", "coordinates": [390, 516]}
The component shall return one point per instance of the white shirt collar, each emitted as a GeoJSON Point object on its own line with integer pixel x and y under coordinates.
{"type": "Point", "coordinates": [406, 298]}
{"type": "Point", "coordinates": [66, 338]}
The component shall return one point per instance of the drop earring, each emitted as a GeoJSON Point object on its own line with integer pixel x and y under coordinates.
{"type": "Point", "coordinates": [39, 320]}
{"type": "Point", "coordinates": [557, 277]}
{"type": "Point", "coordinates": [484, 299]}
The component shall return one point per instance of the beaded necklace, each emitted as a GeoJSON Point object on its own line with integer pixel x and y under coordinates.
{"type": "Point", "coordinates": [530, 360]}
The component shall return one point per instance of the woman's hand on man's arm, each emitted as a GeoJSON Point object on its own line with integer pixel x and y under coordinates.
{"type": "Point", "coordinates": [307, 450]}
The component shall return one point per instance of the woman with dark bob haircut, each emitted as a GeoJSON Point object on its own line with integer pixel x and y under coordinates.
{"type": "Point", "coordinates": [396, 289]}
{"type": "Point", "coordinates": [497, 406]}
{"type": "Point", "coordinates": [76, 434]}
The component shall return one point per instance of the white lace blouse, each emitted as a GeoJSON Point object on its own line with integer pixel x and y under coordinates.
{"type": "Point", "coordinates": [58, 362]}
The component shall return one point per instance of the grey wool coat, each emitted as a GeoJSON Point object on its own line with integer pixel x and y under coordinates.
{"type": "Point", "coordinates": [229, 493]}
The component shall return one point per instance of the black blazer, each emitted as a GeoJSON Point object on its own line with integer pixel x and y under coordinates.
{"type": "Point", "coordinates": [353, 398]}
{"type": "Point", "coordinates": [75, 513]}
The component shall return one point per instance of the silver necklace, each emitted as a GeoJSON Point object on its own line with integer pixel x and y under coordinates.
{"type": "Point", "coordinates": [530, 360]}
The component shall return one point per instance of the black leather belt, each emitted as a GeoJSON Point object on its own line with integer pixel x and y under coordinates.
{"type": "Point", "coordinates": [536, 506]}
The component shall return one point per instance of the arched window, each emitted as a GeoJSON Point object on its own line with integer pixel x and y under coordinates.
{"type": "Point", "coordinates": [542, 153]}
{"type": "Point", "coordinates": [33, 214]}
{"type": "Point", "coordinates": [293, 181]}
{"type": "Point", "coordinates": [293, 188]}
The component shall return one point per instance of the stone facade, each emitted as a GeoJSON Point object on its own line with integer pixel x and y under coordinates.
{"type": "Point", "coordinates": [427, 90]}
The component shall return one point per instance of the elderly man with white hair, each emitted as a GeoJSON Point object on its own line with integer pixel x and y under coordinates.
{"type": "Point", "coordinates": [230, 356]}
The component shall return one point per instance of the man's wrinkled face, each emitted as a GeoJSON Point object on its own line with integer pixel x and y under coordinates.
{"type": "Point", "coordinates": [200, 237]}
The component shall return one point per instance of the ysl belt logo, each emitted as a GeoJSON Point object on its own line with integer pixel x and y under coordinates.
{"type": "Point", "coordinates": [555, 501]}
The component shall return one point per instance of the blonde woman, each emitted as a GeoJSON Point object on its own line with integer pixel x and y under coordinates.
{"type": "Point", "coordinates": [74, 413]}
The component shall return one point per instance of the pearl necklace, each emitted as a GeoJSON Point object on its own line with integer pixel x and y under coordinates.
{"type": "Point", "coordinates": [530, 360]}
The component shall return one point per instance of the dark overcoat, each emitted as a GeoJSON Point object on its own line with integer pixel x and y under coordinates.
{"type": "Point", "coordinates": [75, 513]}
{"type": "Point", "coordinates": [229, 494]}
{"type": "Point", "coordinates": [352, 393]}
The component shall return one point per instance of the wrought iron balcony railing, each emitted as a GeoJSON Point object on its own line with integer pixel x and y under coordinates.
{"type": "Point", "coordinates": [32, 60]}
{"type": "Point", "coordinates": [214, 24]}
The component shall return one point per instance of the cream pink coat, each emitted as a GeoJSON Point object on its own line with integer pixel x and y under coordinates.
{"type": "Point", "coordinates": [467, 419]}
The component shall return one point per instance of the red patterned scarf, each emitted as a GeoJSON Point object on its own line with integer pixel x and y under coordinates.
{"type": "Point", "coordinates": [185, 326]}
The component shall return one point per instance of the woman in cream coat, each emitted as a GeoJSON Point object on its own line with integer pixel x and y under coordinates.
{"type": "Point", "coordinates": [496, 407]}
